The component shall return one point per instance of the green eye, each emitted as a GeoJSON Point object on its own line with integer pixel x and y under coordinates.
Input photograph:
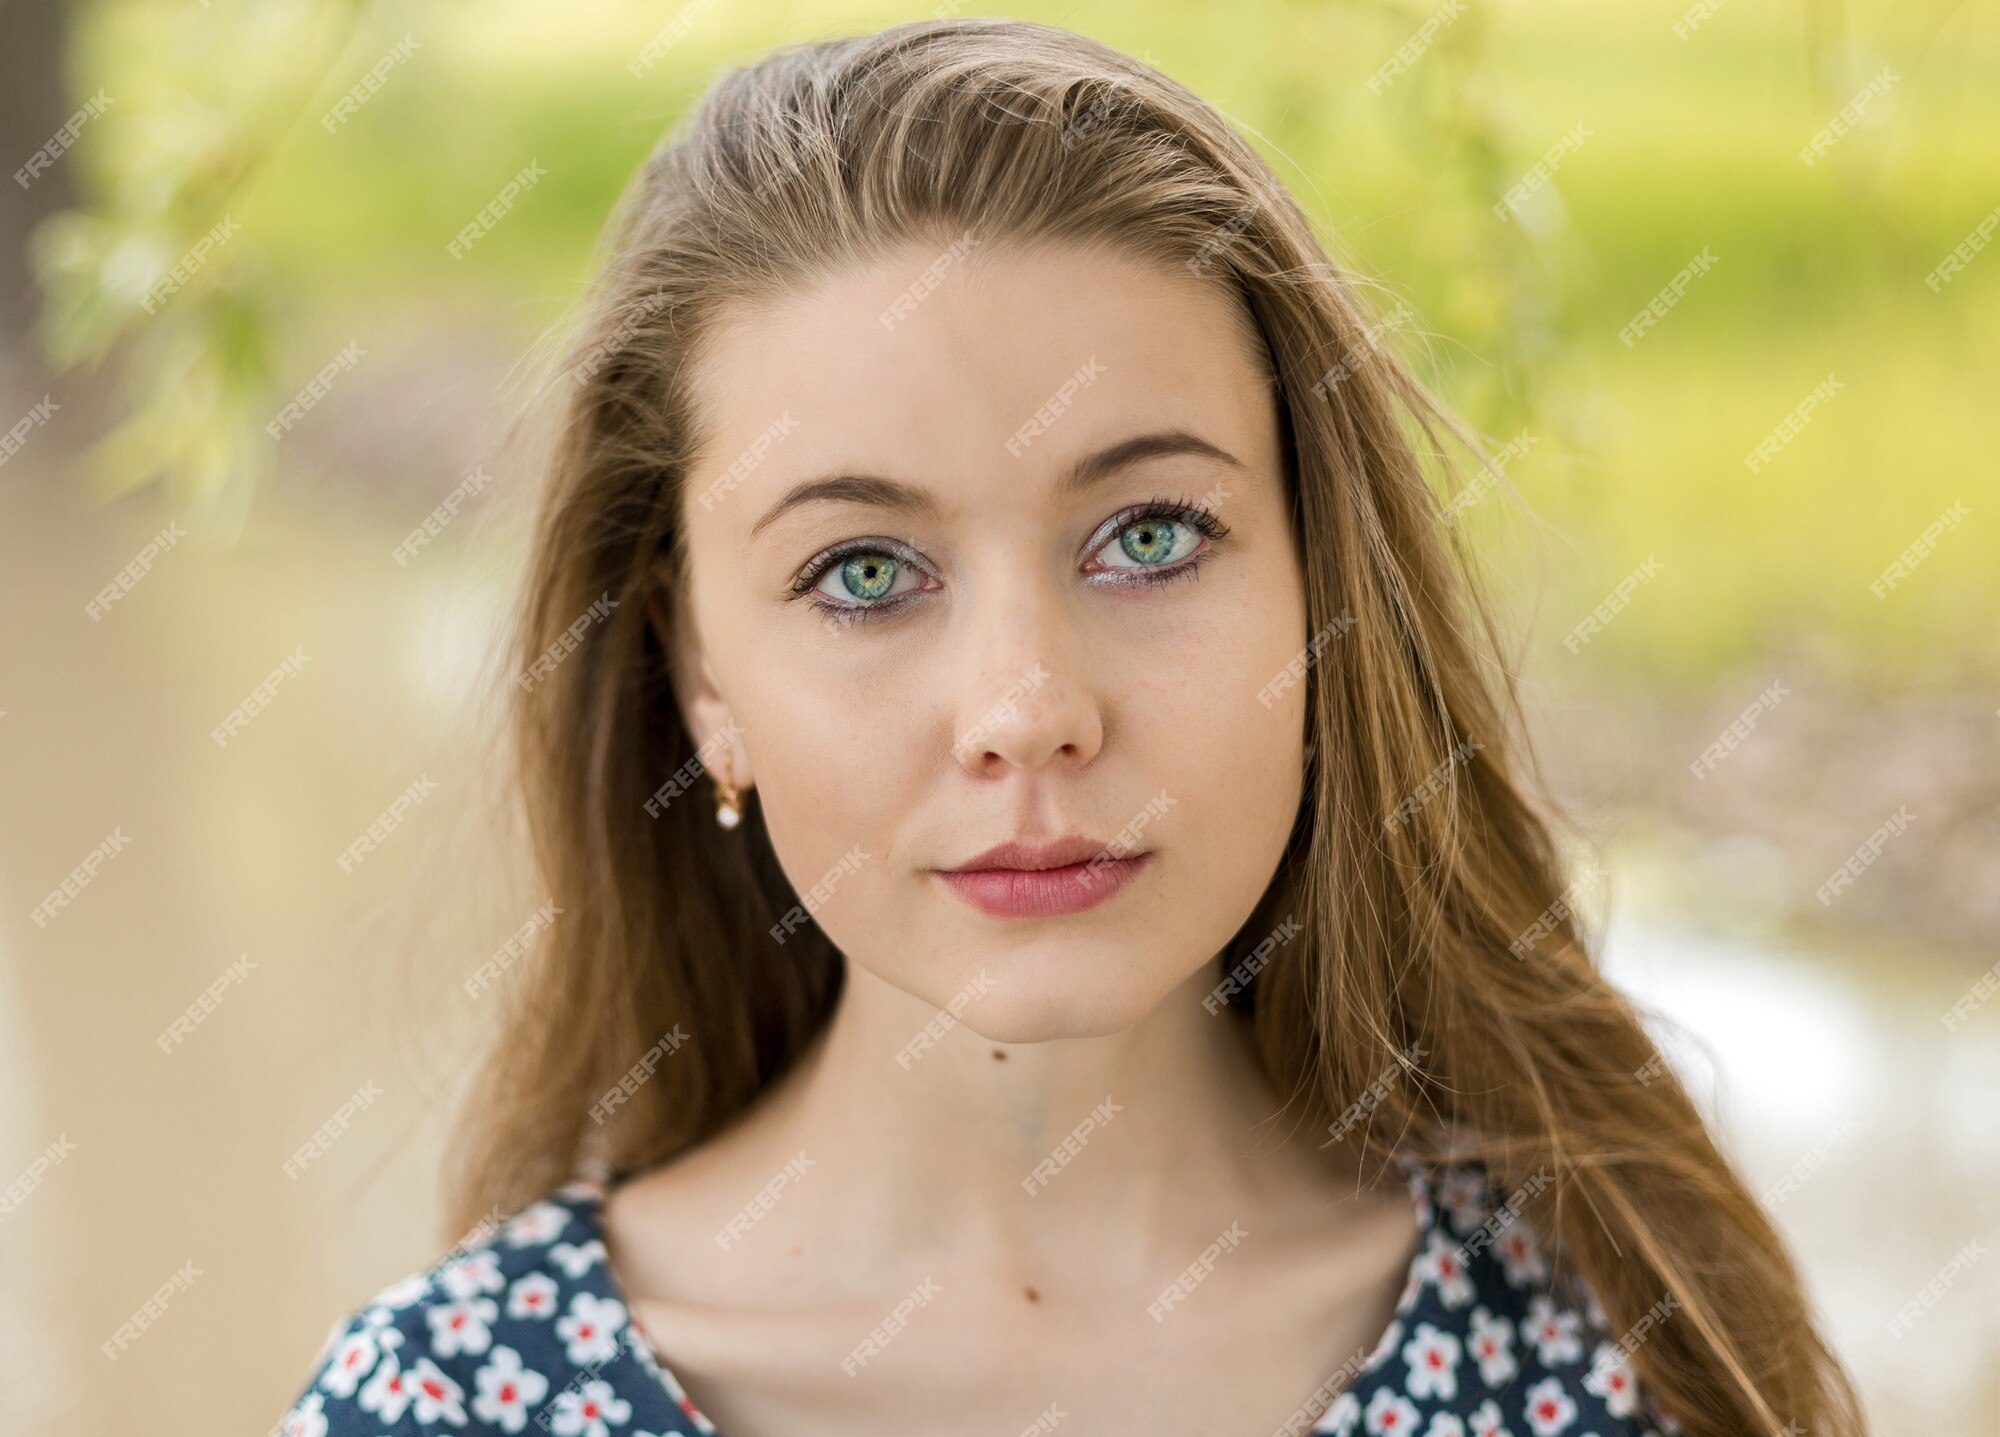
{"type": "Point", "coordinates": [868, 576]}
{"type": "Point", "coordinates": [1151, 540]}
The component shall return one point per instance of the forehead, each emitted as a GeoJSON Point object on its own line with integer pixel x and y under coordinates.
{"type": "Point", "coordinates": [972, 365]}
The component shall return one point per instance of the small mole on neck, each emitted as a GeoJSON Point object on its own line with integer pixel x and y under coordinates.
{"type": "Point", "coordinates": [1033, 1296]}
{"type": "Point", "coordinates": [998, 1056]}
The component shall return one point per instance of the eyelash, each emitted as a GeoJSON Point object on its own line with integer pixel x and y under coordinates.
{"type": "Point", "coordinates": [1188, 511]}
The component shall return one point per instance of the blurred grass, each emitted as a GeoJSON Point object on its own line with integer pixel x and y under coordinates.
{"type": "Point", "coordinates": [1693, 146]}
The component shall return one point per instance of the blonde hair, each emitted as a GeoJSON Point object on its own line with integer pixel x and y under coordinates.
{"type": "Point", "coordinates": [1438, 948]}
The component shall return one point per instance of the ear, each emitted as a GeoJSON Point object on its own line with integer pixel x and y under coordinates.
{"type": "Point", "coordinates": [718, 737]}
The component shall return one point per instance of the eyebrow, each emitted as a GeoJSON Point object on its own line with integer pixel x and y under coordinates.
{"type": "Point", "coordinates": [1090, 470]}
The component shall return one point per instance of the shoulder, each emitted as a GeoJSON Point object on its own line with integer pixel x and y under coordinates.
{"type": "Point", "coordinates": [1491, 1338]}
{"type": "Point", "coordinates": [513, 1320]}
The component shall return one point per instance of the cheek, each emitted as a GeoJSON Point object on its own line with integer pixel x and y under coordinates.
{"type": "Point", "coordinates": [1222, 733]}
{"type": "Point", "coordinates": [835, 759]}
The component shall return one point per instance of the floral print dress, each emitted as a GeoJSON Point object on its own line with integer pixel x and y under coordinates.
{"type": "Point", "coordinates": [525, 1324]}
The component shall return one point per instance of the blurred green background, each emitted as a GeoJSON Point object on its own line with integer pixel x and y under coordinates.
{"type": "Point", "coordinates": [1809, 1018]}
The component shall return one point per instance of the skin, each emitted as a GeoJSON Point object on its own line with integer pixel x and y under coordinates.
{"type": "Point", "coordinates": [913, 739]}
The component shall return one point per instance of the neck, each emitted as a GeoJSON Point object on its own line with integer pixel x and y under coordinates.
{"type": "Point", "coordinates": [1116, 1153]}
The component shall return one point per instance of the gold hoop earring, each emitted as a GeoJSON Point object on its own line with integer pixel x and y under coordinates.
{"type": "Point", "coordinates": [728, 804]}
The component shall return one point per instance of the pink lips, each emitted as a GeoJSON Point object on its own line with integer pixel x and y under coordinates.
{"type": "Point", "coordinates": [1040, 880]}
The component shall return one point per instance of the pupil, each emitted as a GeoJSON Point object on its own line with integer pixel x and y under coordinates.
{"type": "Point", "coordinates": [869, 576]}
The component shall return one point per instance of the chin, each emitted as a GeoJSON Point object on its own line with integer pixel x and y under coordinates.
{"type": "Point", "coordinates": [1055, 990]}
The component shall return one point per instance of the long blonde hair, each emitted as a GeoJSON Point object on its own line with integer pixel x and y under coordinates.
{"type": "Point", "coordinates": [1439, 950]}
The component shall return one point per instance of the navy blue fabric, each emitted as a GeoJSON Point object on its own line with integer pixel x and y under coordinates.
{"type": "Point", "coordinates": [523, 1328]}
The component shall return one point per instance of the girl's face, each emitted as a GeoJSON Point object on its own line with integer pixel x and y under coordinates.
{"type": "Point", "coordinates": [988, 547]}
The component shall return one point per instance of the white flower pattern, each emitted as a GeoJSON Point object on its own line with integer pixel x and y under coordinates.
{"type": "Point", "coordinates": [524, 1331]}
{"type": "Point", "coordinates": [507, 1390]}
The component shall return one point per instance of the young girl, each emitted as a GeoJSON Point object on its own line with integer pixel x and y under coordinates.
{"type": "Point", "coordinates": [1122, 983]}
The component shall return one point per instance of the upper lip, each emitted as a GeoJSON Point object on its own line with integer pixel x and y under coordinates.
{"type": "Point", "coordinates": [1059, 853]}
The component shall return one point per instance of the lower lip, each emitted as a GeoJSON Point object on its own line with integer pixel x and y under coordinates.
{"type": "Point", "coordinates": [1045, 892]}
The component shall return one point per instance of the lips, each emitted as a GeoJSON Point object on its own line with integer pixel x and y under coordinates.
{"type": "Point", "coordinates": [1036, 857]}
{"type": "Point", "coordinates": [1042, 880]}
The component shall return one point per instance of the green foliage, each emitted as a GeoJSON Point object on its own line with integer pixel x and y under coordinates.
{"type": "Point", "coordinates": [1692, 144]}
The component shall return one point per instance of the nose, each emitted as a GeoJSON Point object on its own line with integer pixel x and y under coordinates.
{"type": "Point", "coordinates": [1024, 695]}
